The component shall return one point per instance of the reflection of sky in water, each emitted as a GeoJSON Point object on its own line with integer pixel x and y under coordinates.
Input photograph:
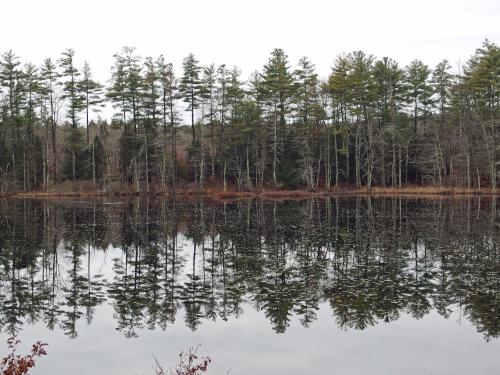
{"type": "Point", "coordinates": [247, 343]}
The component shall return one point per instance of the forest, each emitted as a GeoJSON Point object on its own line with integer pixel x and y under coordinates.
{"type": "Point", "coordinates": [371, 123]}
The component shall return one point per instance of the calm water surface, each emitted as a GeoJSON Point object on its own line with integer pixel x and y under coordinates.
{"type": "Point", "coordinates": [337, 286]}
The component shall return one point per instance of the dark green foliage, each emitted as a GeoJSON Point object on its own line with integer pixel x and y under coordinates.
{"type": "Point", "coordinates": [190, 87]}
{"type": "Point", "coordinates": [370, 123]}
{"type": "Point", "coordinates": [289, 166]}
{"type": "Point", "coordinates": [126, 87]}
{"type": "Point", "coordinates": [74, 161]}
{"type": "Point", "coordinates": [419, 89]}
{"type": "Point", "coordinates": [90, 155]}
{"type": "Point", "coordinates": [72, 91]}
{"type": "Point", "coordinates": [130, 147]}
{"type": "Point", "coordinates": [92, 95]}
{"type": "Point", "coordinates": [150, 96]}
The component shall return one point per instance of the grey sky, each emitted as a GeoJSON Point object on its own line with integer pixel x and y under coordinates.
{"type": "Point", "coordinates": [243, 33]}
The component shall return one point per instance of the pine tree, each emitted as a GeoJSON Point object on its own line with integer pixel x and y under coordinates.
{"type": "Point", "coordinates": [31, 84]}
{"type": "Point", "coordinates": [277, 90]}
{"type": "Point", "coordinates": [168, 89]}
{"type": "Point", "coordinates": [482, 82]}
{"type": "Point", "coordinates": [278, 84]}
{"type": "Point", "coordinates": [71, 89]}
{"type": "Point", "coordinates": [209, 96]}
{"type": "Point", "coordinates": [190, 87]}
{"type": "Point", "coordinates": [234, 95]}
{"type": "Point", "coordinates": [50, 85]}
{"type": "Point", "coordinates": [442, 80]}
{"type": "Point", "coordinates": [10, 80]}
{"type": "Point", "coordinates": [306, 89]}
{"type": "Point", "coordinates": [76, 103]}
{"type": "Point", "coordinates": [134, 83]}
{"type": "Point", "coordinates": [116, 92]}
{"type": "Point", "coordinates": [31, 143]}
{"type": "Point", "coordinates": [151, 94]}
{"type": "Point", "coordinates": [306, 97]}
{"type": "Point", "coordinates": [127, 85]}
{"type": "Point", "coordinates": [9, 76]}
{"type": "Point", "coordinates": [419, 89]}
{"type": "Point", "coordinates": [338, 90]}
{"type": "Point", "coordinates": [92, 92]}
{"type": "Point", "coordinates": [361, 85]}
{"type": "Point", "coordinates": [390, 99]}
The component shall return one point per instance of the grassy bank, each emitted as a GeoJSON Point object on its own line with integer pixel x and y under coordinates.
{"type": "Point", "coordinates": [269, 194]}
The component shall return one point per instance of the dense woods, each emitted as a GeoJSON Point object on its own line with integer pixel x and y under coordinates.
{"type": "Point", "coordinates": [372, 122]}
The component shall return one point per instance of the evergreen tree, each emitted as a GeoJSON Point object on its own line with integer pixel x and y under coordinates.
{"type": "Point", "coordinates": [277, 90]}
{"type": "Point", "coordinates": [190, 87]}
{"type": "Point", "coordinates": [168, 89]}
{"type": "Point", "coordinates": [50, 85]}
{"type": "Point", "coordinates": [31, 84]}
{"type": "Point", "coordinates": [134, 83]}
{"type": "Point", "coordinates": [32, 152]}
{"type": "Point", "coordinates": [10, 76]}
{"type": "Point", "coordinates": [75, 98]}
{"type": "Point", "coordinates": [306, 89]}
{"type": "Point", "coordinates": [482, 82]}
{"type": "Point", "coordinates": [306, 99]}
{"type": "Point", "coordinates": [442, 80]}
{"type": "Point", "coordinates": [71, 89]}
{"type": "Point", "coordinates": [338, 90]}
{"type": "Point", "coordinates": [151, 94]}
{"type": "Point", "coordinates": [116, 92]}
{"type": "Point", "coordinates": [361, 85]}
{"type": "Point", "coordinates": [92, 92]}
{"type": "Point", "coordinates": [390, 100]}
{"type": "Point", "coordinates": [126, 86]}
{"type": "Point", "coordinates": [419, 89]}
{"type": "Point", "coordinates": [234, 94]}
{"type": "Point", "coordinates": [209, 95]}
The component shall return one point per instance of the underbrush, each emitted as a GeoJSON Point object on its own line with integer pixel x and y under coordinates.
{"type": "Point", "coordinates": [16, 364]}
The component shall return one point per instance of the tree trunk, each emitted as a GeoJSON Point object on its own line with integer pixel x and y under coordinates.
{"type": "Point", "coordinates": [93, 167]}
{"type": "Point", "coordinates": [73, 164]}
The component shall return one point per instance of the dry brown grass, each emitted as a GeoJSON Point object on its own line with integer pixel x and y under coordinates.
{"type": "Point", "coordinates": [85, 189]}
{"type": "Point", "coordinates": [415, 190]}
{"type": "Point", "coordinates": [233, 195]}
{"type": "Point", "coordinates": [291, 194]}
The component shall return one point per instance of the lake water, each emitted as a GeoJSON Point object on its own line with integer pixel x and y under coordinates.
{"type": "Point", "coordinates": [319, 286]}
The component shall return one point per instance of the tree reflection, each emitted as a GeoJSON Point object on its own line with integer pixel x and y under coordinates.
{"type": "Point", "coordinates": [371, 260]}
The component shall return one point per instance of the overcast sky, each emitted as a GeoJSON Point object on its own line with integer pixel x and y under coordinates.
{"type": "Point", "coordinates": [243, 33]}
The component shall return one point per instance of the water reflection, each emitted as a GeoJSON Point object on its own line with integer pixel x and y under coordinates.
{"type": "Point", "coordinates": [371, 260]}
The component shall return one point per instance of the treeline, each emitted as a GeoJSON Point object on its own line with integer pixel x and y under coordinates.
{"type": "Point", "coordinates": [371, 122]}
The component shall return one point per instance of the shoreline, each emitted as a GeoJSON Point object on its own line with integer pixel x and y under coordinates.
{"type": "Point", "coordinates": [270, 194]}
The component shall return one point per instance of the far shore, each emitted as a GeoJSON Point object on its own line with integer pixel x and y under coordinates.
{"type": "Point", "coordinates": [265, 194]}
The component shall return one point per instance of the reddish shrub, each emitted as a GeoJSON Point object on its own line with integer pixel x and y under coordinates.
{"type": "Point", "coordinates": [15, 364]}
{"type": "Point", "coordinates": [189, 364]}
